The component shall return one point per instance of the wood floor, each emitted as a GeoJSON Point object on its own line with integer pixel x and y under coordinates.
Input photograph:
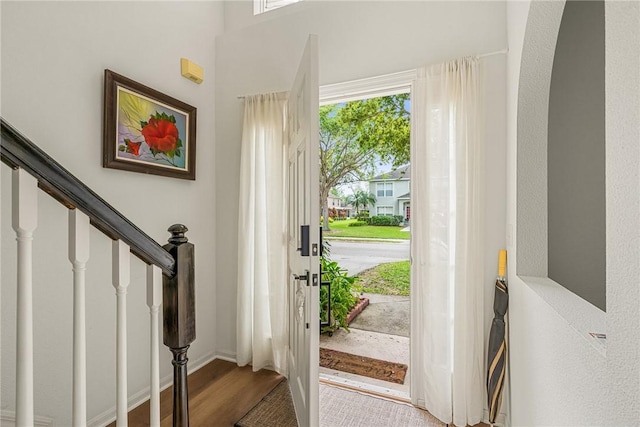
{"type": "Point", "coordinates": [220, 393]}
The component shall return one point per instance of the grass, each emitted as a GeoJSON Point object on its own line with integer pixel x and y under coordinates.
{"type": "Point", "coordinates": [342, 229]}
{"type": "Point", "coordinates": [387, 279]}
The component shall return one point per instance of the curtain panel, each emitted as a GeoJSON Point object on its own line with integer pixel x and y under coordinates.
{"type": "Point", "coordinates": [262, 329]}
{"type": "Point", "coordinates": [447, 223]}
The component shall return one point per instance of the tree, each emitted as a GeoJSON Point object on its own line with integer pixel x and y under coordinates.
{"type": "Point", "coordinates": [342, 158]}
{"type": "Point", "coordinates": [383, 125]}
{"type": "Point", "coordinates": [361, 198]}
{"type": "Point", "coordinates": [356, 134]}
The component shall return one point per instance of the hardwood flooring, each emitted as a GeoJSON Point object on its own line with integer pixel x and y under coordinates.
{"type": "Point", "coordinates": [220, 393]}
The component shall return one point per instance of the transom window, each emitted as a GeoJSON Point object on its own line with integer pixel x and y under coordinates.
{"type": "Point", "coordinates": [261, 6]}
{"type": "Point", "coordinates": [384, 189]}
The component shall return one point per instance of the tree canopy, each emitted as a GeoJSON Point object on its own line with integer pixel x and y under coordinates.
{"type": "Point", "coordinates": [382, 125]}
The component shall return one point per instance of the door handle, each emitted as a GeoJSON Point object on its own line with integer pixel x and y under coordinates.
{"type": "Point", "coordinates": [304, 276]}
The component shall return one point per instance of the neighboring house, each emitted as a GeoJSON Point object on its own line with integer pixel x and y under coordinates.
{"type": "Point", "coordinates": [392, 191]}
{"type": "Point", "coordinates": [342, 208]}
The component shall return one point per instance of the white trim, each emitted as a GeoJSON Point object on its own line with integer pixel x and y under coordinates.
{"type": "Point", "coordinates": [386, 393]}
{"type": "Point", "coordinates": [228, 357]}
{"type": "Point", "coordinates": [8, 419]}
{"type": "Point", "coordinates": [109, 416]}
{"type": "Point", "coordinates": [370, 87]}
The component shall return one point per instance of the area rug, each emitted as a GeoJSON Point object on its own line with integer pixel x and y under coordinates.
{"type": "Point", "coordinates": [338, 408]}
{"type": "Point", "coordinates": [365, 366]}
{"type": "Point", "coordinates": [275, 409]}
{"type": "Point", "coordinates": [344, 408]}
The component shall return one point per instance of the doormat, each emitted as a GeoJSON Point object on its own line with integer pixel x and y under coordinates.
{"type": "Point", "coordinates": [275, 409]}
{"type": "Point", "coordinates": [365, 366]}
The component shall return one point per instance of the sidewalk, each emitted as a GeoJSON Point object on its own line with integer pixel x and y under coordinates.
{"type": "Point", "coordinates": [364, 239]}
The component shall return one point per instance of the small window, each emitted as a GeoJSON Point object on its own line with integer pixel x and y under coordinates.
{"type": "Point", "coordinates": [261, 6]}
{"type": "Point", "coordinates": [384, 210]}
{"type": "Point", "coordinates": [384, 189]}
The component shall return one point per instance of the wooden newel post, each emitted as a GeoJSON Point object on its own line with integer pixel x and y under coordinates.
{"type": "Point", "coordinates": [178, 303]}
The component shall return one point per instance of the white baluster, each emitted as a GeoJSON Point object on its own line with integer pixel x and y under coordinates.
{"type": "Point", "coordinates": [78, 256]}
{"type": "Point", "coordinates": [24, 221]}
{"type": "Point", "coordinates": [121, 269]}
{"type": "Point", "coordinates": [154, 299]}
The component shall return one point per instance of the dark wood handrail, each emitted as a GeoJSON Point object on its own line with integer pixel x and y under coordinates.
{"type": "Point", "coordinates": [17, 151]}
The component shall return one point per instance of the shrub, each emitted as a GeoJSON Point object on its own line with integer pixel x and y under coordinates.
{"type": "Point", "coordinates": [383, 220]}
{"type": "Point", "coordinates": [364, 217]}
{"type": "Point", "coordinates": [358, 224]}
{"type": "Point", "coordinates": [400, 218]}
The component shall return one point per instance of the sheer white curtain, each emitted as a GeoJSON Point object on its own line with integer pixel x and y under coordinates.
{"type": "Point", "coordinates": [446, 227]}
{"type": "Point", "coordinates": [262, 329]}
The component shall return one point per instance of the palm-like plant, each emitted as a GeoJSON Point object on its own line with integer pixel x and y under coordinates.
{"type": "Point", "coordinates": [360, 198]}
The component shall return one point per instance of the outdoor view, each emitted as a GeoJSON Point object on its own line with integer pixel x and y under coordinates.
{"type": "Point", "coordinates": [366, 214]}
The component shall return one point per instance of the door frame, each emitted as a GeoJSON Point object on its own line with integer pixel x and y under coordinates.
{"type": "Point", "coordinates": [365, 88]}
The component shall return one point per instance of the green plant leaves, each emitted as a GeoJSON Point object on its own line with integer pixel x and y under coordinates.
{"type": "Point", "coordinates": [344, 295]}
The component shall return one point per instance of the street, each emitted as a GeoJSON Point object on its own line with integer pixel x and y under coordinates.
{"type": "Point", "coordinates": [358, 256]}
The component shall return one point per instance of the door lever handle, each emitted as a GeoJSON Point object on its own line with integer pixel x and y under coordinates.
{"type": "Point", "coordinates": [304, 277]}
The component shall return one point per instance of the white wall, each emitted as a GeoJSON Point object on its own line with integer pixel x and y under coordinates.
{"type": "Point", "coordinates": [53, 59]}
{"type": "Point", "coordinates": [558, 375]}
{"type": "Point", "coordinates": [622, 23]}
{"type": "Point", "coordinates": [357, 40]}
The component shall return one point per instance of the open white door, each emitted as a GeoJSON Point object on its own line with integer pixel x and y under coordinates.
{"type": "Point", "coordinates": [304, 238]}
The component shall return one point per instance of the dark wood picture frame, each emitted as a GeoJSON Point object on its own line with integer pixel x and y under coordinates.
{"type": "Point", "coordinates": [147, 131]}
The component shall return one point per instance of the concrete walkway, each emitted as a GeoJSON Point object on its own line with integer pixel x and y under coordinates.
{"type": "Point", "coordinates": [386, 314]}
{"type": "Point", "coordinates": [381, 331]}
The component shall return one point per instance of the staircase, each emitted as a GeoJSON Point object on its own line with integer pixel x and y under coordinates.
{"type": "Point", "coordinates": [169, 283]}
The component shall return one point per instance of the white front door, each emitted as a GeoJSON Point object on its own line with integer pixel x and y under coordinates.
{"type": "Point", "coordinates": [303, 237]}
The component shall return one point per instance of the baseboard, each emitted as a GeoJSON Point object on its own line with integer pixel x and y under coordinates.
{"type": "Point", "coordinates": [8, 419]}
{"type": "Point", "coordinates": [227, 356]}
{"type": "Point", "coordinates": [109, 416]}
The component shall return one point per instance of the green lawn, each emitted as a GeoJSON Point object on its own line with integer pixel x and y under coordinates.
{"type": "Point", "coordinates": [387, 279]}
{"type": "Point", "coordinates": [342, 229]}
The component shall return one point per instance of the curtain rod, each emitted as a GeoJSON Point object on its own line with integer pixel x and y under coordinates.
{"type": "Point", "coordinates": [497, 52]}
{"type": "Point", "coordinates": [484, 55]}
{"type": "Point", "coordinates": [281, 95]}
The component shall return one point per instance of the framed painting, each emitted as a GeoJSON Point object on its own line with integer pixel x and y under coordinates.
{"type": "Point", "coordinates": [147, 131]}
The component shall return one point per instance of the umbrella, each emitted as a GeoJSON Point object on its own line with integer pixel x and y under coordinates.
{"type": "Point", "coordinates": [497, 342]}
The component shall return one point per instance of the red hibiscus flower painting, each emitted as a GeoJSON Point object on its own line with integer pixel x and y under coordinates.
{"type": "Point", "coordinates": [161, 135]}
{"type": "Point", "coordinates": [147, 131]}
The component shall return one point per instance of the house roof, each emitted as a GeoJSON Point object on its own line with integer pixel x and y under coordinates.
{"type": "Point", "coordinates": [402, 172]}
{"type": "Point", "coordinates": [405, 196]}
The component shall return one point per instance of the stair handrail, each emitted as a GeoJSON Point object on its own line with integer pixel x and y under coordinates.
{"type": "Point", "coordinates": [175, 259]}
{"type": "Point", "coordinates": [17, 151]}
